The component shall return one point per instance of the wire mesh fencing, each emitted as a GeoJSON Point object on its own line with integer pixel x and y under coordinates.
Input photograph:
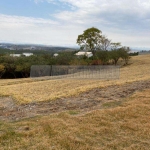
{"type": "Point", "coordinates": [75, 72]}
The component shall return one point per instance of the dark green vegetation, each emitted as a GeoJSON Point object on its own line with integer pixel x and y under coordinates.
{"type": "Point", "coordinates": [19, 67]}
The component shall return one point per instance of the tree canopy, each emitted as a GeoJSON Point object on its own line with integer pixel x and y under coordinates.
{"type": "Point", "coordinates": [90, 39]}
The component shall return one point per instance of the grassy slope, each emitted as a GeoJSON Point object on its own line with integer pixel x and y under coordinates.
{"type": "Point", "coordinates": [126, 126]}
{"type": "Point", "coordinates": [123, 127]}
{"type": "Point", "coordinates": [28, 90]}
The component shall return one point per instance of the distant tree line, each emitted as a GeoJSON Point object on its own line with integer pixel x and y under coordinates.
{"type": "Point", "coordinates": [134, 54]}
{"type": "Point", "coordinates": [19, 67]}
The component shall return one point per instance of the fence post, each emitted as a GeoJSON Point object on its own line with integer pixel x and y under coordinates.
{"type": "Point", "coordinates": [50, 70]}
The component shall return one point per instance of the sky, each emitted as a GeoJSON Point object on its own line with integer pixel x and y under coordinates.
{"type": "Point", "coordinates": [59, 22]}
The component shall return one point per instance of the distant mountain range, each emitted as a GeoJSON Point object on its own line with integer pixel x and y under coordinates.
{"type": "Point", "coordinates": [12, 46]}
{"type": "Point", "coordinates": [33, 47]}
{"type": "Point", "coordinates": [140, 49]}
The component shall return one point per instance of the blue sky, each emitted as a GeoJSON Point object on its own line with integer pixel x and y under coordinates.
{"type": "Point", "coordinates": [59, 22]}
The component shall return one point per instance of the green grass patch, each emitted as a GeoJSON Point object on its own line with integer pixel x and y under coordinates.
{"type": "Point", "coordinates": [112, 104]}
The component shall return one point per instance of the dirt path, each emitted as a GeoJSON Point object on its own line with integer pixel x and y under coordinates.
{"type": "Point", "coordinates": [95, 99]}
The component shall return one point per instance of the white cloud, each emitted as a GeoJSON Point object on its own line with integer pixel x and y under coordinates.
{"type": "Point", "coordinates": [24, 20]}
{"type": "Point", "coordinates": [122, 21]}
{"type": "Point", "coordinates": [109, 11]}
{"type": "Point", "coordinates": [113, 12]}
{"type": "Point", "coordinates": [36, 30]}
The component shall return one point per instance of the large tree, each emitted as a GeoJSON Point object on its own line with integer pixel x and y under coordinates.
{"type": "Point", "coordinates": [90, 39]}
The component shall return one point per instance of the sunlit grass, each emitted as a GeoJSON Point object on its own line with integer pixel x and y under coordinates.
{"type": "Point", "coordinates": [28, 90]}
{"type": "Point", "coordinates": [123, 127]}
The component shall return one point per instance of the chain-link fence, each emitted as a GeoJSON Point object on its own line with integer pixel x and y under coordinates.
{"type": "Point", "coordinates": [75, 72]}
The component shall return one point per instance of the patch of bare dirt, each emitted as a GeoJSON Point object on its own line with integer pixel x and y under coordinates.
{"type": "Point", "coordinates": [91, 100]}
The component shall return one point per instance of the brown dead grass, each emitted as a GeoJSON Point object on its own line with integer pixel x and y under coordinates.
{"type": "Point", "coordinates": [28, 90]}
{"type": "Point", "coordinates": [124, 127]}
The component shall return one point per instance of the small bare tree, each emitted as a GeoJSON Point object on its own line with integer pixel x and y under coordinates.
{"type": "Point", "coordinates": [105, 43]}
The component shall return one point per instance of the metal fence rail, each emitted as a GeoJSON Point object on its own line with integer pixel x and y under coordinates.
{"type": "Point", "coordinates": [75, 72]}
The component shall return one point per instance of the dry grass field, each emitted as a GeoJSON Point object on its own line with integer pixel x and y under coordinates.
{"type": "Point", "coordinates": [30, 90]}
{"type": "Point", "coordinates": [126, 126]}
{"type": "Point", "coordinates": [123, 124]}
